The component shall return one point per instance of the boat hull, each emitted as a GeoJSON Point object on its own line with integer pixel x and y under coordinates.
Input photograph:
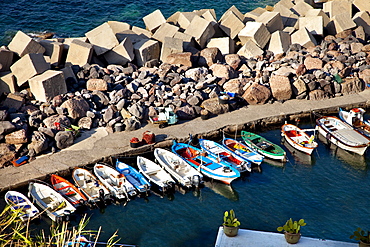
{"type": "Point", "coordinates": [298, 139]}
{"type": "Point", "coordinates": [141, 184]}
{"type": "Point", "coordinates": [19, 202]}
{"type": "Point", "coordinates": [243, 150]}
{"type": "Point", "coordinates": [342, 135]}
{"type": "Point", "coordinates": [67, 189]}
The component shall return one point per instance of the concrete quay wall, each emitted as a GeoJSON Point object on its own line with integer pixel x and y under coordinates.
{"type": "Point", "coordinates": [98, 145]}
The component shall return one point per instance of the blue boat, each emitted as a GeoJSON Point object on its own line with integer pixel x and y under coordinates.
{"type": "Point", "coordinates": [133, 176]}
{"type": "Point", "coordinates": [243, 150]}
{"type": "Point", "coordinates": [207, 164]}
{"type": "Point", "coordinates": [221, 152]}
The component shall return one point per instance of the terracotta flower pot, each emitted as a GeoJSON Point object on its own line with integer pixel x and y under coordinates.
{"type": "Point", "coordinates": [292, 238]}
{"type": "Point", "coordinates": [231, 231]}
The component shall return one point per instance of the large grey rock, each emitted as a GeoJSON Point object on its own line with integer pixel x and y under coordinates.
{"type": "Point", "coordinates": [64, 139]}
{"type": "Point", "coordinates": [39, 142]}
{"type": "Point", "coordinates": [210, 56]}
{"type": "Point", "coordinates": [52, 121]}
{"type": "Point", "coordinates": [76, 107]}
{"type": "Point", "coordinates": [132, 123]}
{"type": "Point", "coordinates": [186, 112]}
{"type": "Point", "coordinates": [256, 94]}
{"type": "Point", "coordinates": [6, 127]}
{"type": "Point", "coordinates": [7, 154]}
{"type": "Point", "coordinates": [213, 106]}
{"type": "Point", "coordinates": [17, 137]}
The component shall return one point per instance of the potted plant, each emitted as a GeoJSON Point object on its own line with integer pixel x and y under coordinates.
{"type": "Point", "coordinates": [292, 230]}
{"type": "Point", "coordinates": [362, 236]}
{"type": "Point", "coordinates": [231, 224]}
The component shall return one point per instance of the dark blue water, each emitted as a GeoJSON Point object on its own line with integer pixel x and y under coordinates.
{"type": "Point", "coordinates": [330, 191]}
{"type": "Point", "coordinates": [75, 18]}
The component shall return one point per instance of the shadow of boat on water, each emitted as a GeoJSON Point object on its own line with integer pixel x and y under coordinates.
{"type": "Point", "coordinates": [222, 189]}
{"type": "Point", "coordinates": [298, 156]}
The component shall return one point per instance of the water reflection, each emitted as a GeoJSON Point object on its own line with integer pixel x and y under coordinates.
{"type": "Point", "coordinates": [298, 156]}
{"type": "Point", "coordinates": [224, 190]}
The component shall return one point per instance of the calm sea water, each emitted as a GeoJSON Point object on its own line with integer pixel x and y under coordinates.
{"type": "Point", "coordinates": [329, 190]}
{"type": "Point", "coordinates": [75, 18]}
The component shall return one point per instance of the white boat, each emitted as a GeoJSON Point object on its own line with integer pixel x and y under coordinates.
{"type": "Point", "coordinates": [355, 118]}
{"type": "Point", "coordinates": [221, 152]}
{"type": "Point", "coordinates": [137, 179]}
{"type": "Point", "coordinates": [298, 138]}
{"type": "Point", "coordinates": [181, 171]}
{"type": "Point", "coordinates": [155, 173]}
{"type": "Point", "coordinates": [54, 204]}
{"type": "Point", "coordinates": [90, 185]}
{"type": "Point", "coordinates": [243, 150]}
{"type": "Point", "coordinates": [116, 182]}
{"type": "Point", "coordinates": [21, 204]}
{"type": "Point", "coordinates": [341, 134]}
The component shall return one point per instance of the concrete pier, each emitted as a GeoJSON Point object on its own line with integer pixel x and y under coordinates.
{"type": "Point", "coordinates": [97, 144]}
{"type": "Point", "coordinates": [249, 238]}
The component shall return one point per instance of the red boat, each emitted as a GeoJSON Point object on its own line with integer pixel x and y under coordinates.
{"type": "Point", "coordinates": [68, 190]}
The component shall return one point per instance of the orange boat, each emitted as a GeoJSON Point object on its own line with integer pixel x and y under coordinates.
{"type": "Point", "coordinates": [68, 190]}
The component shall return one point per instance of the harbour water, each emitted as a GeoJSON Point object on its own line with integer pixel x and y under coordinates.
{"type": "Point", "coordinates": [75, 18]}
{"type": "Point", "coordinates": [329, 191]}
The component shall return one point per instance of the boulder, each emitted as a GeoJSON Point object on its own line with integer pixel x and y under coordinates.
{"type": "Point", "coordinates": [49, 84]}
{"type": "Point", "coordinates": [223, 70]}
{"type": "Point", "coordinates": [6, 127]}
{"type": "Point", "coordinates": [28, 66]}
{"type": "Point", "coordinates": [13, 101]}
{"type": "Point", "coordinates": [39, 143]}
{"type": "Point", "coordinates": [96, 84]}
{"type": "Point", "coordinates": [85, 123]}
{"type": "Point", "coordinates": [76, 107]}
{"type": "Point", "coordinates": [256, 94]}
{"type": "Point", "coordinates": [233, 86]}
{"type": "Point", "coordinates": [182, 58]}
{"type": "Point", "coordinates": [52, 121]}
{"type": "Point", "coordinates": [132, 123]}
{"type": "Point", "coordinates": [233, 60]}
{"type": "Point", "coordinates": [17, 137]}
{"type": "Point", "coordinates": [313, 63]}
{"type": "Point", "coordinates": [316, 94]}
{"type": "Point", "coordinates": [137, 111]}
{"type": "Point", "coordinates": [213, 106]}
{"type": "Point", "coordinates": [7, 154]}
{"type": "Point", "coordinates": [280, 87]}
{"type": "Point", "coordinates": [23, 44]}
{"type": "Point", "coordinates": [352, 85]}
{"type": "Point", "coordinates": [209, 56]}
{"type": "Point", "coordinates": [64, 139]}
{"type": "Point", "coordinates": [299, 88]}
{"type": "Point", "coordinates": [196, 74]}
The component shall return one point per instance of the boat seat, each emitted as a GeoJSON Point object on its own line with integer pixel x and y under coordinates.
{"type": "Point", "coordinates": [152, 172]}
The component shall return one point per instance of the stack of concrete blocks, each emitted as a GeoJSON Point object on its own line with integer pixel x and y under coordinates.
{"type": "Point", "coordinates": [6, 59]}
{"type": "Point", "coordinates": [8, 83]}
{"type": "Point", "coordinates": [255, 31]}
{"type": "Point", "coordinates": [165, 30]}
{"type": "Point", "coordinates": [170, 46]}
{"type": "Point", "coordinates": [340, 14]}
{"type": "Point", "coordinates": [146, 50]}
{"type": "Point", "coordinates": [303, 37]}
{"type": "Point", "coordinates": [48, 85]}
{"type": "Point", "coordinates": [279, 42]}
{"type": "Point", "coordinates": [28, 66]}
{"type": "Point", "coordinates": [272, 21]}
{"type": "Point", "coordinates": [23, 44]}
{"type": "Point", "coordinates": [154, 20]}
{"type": "Point", "coordinates": [362, 19]}
{"type": "Point", "coordinates": [79, 53]}
{"type": "Point", "coordinates": [102, 38]}
{"type": "Point", "coordinates": [231, 22]}
{"type": "Point", "coordinates": [226, 45]}
{"type": "Point", "coordinates": [201, 29]}
{"type": "Point", "coordinates": [54, 50]}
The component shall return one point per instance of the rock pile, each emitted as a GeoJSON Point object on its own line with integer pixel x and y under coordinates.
{"type": "Point", "coordinates": [118, 74]}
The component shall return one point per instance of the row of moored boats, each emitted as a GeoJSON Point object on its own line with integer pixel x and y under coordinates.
{"type": "Point", "coordinates": [184, 165]}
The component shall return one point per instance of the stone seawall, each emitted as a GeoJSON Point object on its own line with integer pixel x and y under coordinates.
{"type": "Point", "coordinates": [118, 74]}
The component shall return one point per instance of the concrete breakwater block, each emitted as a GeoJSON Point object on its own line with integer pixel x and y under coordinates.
{"type": "Point", "coordinates": [256, 32]}
{"type": "Point", "coordinates": [337, 7]}
{"type": "Point", "coordinates": [201, 29]}
{"type": "Point", "coordinates": [362, 19]}
{"type": "Point", "coordinates": [48, 85]}
{"type": "Point", "coordinates": [170, 46]}
{"type": "Point", "coordinates": [272, 21]}
{"type": "Point", "coordinates": [165, 30]}
{"type": "Point", "coordinates": [184, 19]}
{"type": "Point", "coordinates": [54, 50]}
{"type": "Point", "coordinates": [8, 83]}
{"type": "Point", "coordinates": [121, 54]}
{"type": "Point", "coordinates": [226, 45]}
{"type": "Point", "coordinates": [235, 11]}
{"type": "Point", "coordinates": [154, 20]}
{"type": "Point", "coordinates": [314, 24]}
{"type": "Point", "coordinates": [103, 38]}
{"type": "Point", "coordinates": [343, 22]}
{"type": "Point", "coordinates": [146, 50]}
{"type": "Point", "coordinates": [28, 66]}
{"type": "Point", "coordinates": [304, 38]}
{"type": "Point", "coordinates": [79, 53]}
{"type": "Point", "coordinates": [250, 49]}
{"type": "Point", "coordinates": [23, 44]}
{"type": "Point", "coordinates": [231, 25]}
{"type": "Point", "coordinates": [280, 42]}
{"type": "Point", "coordinates": [6, 59]}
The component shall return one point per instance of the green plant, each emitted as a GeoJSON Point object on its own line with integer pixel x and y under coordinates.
{"type": "Point", "coordinates": [292, 227]}
{"type": "Point", "coordinates": [230, 219]}
{"type": "Point", "coordinates": [361, 235]}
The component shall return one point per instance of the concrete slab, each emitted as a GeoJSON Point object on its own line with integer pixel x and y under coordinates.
{"type": "Point", "coordinates": [250, 238]}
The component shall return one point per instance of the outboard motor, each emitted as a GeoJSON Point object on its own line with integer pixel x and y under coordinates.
{"type": "Point", "coordinates": [196, 181]}
{"type": "Point", "coordinates": [226, 169]}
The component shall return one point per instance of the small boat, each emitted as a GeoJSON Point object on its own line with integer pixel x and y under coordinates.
{"type": "Point", "coordinates": [20, 203]}
{"type": "Point", "coordinates": [54, 204]}
{"type": "Point", "coordinates": [181, 171]}
{"type": "Point", "coordinates": [155, 174]}
{"type": "Point", "coordinates": [263, 146]}
{"type": "Point", "coordinates": [93, 189]}
{"type": "Point", "coordinates": [298, 138]}
{"type": "Point", "coordinates": [133, 176]}
{"type": "Point", "coordinates": [68, 190]}
{"type": "Point", "coordinates": [225, 154]}
{"type": "Point", "coordinates": [355, 118]}
{"type": "Point", "coordinates": [342, 135]}
{"type": "Point", "coordinates": [206, 164]}
{"type": "Point", "coordinates": [116, 182]}
{"type": "Point", "coordinates": [243, 150]}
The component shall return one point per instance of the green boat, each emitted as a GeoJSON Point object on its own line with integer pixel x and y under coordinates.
{"type": "Point", "coordinates": [263, 146]}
